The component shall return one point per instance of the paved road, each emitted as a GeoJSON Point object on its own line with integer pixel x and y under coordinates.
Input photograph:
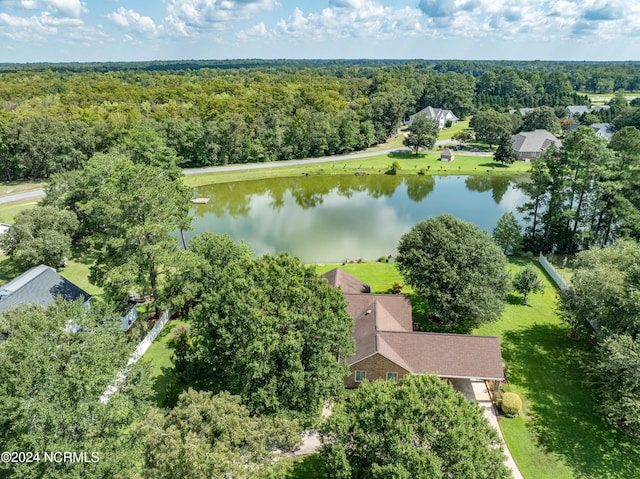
{"type": "Point", "coordinates": [21, 196]}
{"type": "Point", "coordinates": [271, 164]}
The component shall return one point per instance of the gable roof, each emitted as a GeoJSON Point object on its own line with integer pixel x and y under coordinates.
{"type": "Point", "coordinates": [436, 113]}
{"type": "Point", "coordinates": [577, 109]}
{"type": "Point", "coordinates": [522, 111]}
{"type": "Point", "coordinates": [39, 285]}
{"type": "Point", "coordinates": [605, 130]}
{"type": "Point", "coordinates": [533, 141]}
{"type": "Point", "coordinates": [447, 153]}
{"type": "Point", "coordinates": [383, 325]}
{"type": "Point", "coordinates": [339, 278]}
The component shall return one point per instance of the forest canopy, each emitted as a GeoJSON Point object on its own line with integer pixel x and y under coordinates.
{"type": "Point", "coordinates": [54, 117]}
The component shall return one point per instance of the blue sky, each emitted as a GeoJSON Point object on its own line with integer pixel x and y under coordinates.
{"type": "Point", "coordinates": [114, 30]}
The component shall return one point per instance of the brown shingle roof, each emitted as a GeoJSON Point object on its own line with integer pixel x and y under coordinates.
{"type": "Point", "coordinates": [447, 355]}
{"type": "Point", "coordinates": [382, 324]}
{"type": "Point", "coordinates": [349, 284]}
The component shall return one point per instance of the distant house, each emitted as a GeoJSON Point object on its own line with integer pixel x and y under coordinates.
{"type": "Point", "coordinates": [600, 108]}
{"type": "Point", "coordinates": [447, 155]}
{"type": "Point", "coordinates": [39, 285]}
{"type": "Point", "coordinates": [522, 111]}
{"type": "Point", "coordinates": [531, 144]}
{"type": "Point", "coordinates": [603, 130]}
{"type": "Point", "coordinates": [387, 347]}
{"type": "Point", "coordinates": [577, 110]}
{"type": "Point", "coordinates": [438, 114]}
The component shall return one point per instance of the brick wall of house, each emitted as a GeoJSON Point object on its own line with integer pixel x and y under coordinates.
{"type": "Point", "coordinates": [376, 367]}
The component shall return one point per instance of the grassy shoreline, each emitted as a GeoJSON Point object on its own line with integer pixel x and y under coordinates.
{"type": "Point", "coordinates": [410, 165]}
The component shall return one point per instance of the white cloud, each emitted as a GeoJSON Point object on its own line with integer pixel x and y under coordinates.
{"type": "Point", "coordinates": [69, 8]}
{"type": "Point", "coordinates": [351, 18]}
{"type": "Point", "coordinates": [502, 20]}
{"type": "Point", "coordinates": [185, 17]}
{"type": "Point", "coordinates": [132, 20]}
{"type": "Point", "coordinates": [256, 31]}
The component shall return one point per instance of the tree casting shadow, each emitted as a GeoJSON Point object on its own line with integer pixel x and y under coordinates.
{"type": "Point", "coordinates": [548, 364]}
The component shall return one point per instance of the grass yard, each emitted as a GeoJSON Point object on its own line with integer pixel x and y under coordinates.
{"type": "Point", "coordinates": [306, 467]}
{"type": "Point", "coordinates": [8, 211]}
{"type": "Point", "coordinates": [159, 357]}
{"type": "Point", "coordinates": [447, 133]}
{"type": "Point", "coordinates": [561, 436]}
{"type": "Point", "coordinates": [380, 276]}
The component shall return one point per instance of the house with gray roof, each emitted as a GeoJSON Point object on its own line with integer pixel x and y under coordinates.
{"type": "Point", "coordinates": [532, 144]}
{"type": "Point", "coordinates": [522, 111]}
{"type": "Point", "coordinates": [438, 114]}
{"type": "Point", "coordinates": [577, 110]}
{"type": "Point", "coordinates": [603, 130]}
{"type": "Point", "coordinates": [39, 285]}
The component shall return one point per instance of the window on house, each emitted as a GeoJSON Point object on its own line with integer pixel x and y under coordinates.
{"type": "Point", "coordinates": [360, 376]}
{"type": "Point", "coordinates": [392, 377]}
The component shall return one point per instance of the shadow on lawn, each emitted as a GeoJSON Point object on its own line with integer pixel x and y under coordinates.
{"type": "Point", "coordinates": [542, 359]}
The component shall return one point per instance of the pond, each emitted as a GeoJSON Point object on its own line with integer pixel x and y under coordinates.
{"type": "Point", "coordinates": [326, 219]}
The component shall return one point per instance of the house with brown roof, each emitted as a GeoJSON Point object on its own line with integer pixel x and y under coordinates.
{"type": "Point", "coordinates": [388, 348]}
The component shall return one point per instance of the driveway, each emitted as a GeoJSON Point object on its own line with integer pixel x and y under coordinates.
{"type": "Point", "coordinates": [476, 390]}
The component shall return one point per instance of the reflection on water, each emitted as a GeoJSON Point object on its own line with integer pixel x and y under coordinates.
{"type": "Point", "coordinates": [330, 218]}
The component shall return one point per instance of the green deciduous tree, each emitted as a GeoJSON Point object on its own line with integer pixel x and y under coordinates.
{"type": "Point", "coordinates": [491, 126]}
{"type": "Point", "coordinates": [51, 378]}
{"type": "Point", "coordinates": [605, 281]}
{"type": "Point", "coordinates": [272, 332]}
{"type": "Point", "coordinates": [41, 235]}
{"type": "Point", "coordinates": [457, 268]}
{"type": "Point", "coordinates": [423, 133]}
{"type": "Point", "coordinates": [420, 428]}
{"type": "Point", "coordinates": [616, 376]}
{"type": "Point", "coordinates": [527, 281]}
{"type": "Point", "coordinates": [127, 210]}
{"type": "Point", "coordinates": [505, 153]}
{"type": "Point", "coordinates": [508, 233]}
{"type": "Point", "coordinates": [206, 436]}
{"type": "Point", "coordinates": [542, 118]}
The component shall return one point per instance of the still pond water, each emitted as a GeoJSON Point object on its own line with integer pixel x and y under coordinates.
{"type": "Point", "coordinates": [326, 219]}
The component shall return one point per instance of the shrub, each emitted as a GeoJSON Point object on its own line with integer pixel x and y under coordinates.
{"type": "Point", "coordinates": [511, 404]}
{"type": "Point", "coordinates": [422, 172]}
{"type": "Point", "coordinates": [383, 259]}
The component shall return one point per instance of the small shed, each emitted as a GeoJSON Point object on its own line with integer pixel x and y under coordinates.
{"type": "Point", "coordinates": [447, 155]}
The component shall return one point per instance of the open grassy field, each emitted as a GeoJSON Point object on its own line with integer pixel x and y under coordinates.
{"type": "Point", "coordinates": [410, 164]}
{"type": "Point", "coordinates": [602, 98]}
{"type": "Point", "coordinates": [8, 211]}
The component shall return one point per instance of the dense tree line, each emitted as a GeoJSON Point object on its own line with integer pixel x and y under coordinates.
{"type": "Point", "coordinates": [585, 193]}
{"type": "Point", "coordinates": [603, 301]}
{"type": "Point", "coordinates": [53, 118]}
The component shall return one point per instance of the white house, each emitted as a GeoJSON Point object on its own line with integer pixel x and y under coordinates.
{"type": "Point", "coordinates": [438, 114]}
